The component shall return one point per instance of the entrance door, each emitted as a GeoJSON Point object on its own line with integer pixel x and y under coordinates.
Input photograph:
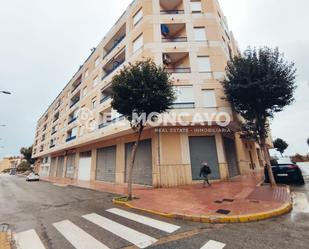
{"type": "Point", "coordinates": [142, 171]}
{"type": "Point", "coordinates": [106, 164]}
{"type": "Point", "coordinates": [60, 165]}
{"type": "Point", "coordinates": [84, 168]}
{"type": "Point", "coordinates": [231, 157]}
{"type": "Point", "coordinates": [70, 166]}
{"type": "Point", "coordinates": [204, 149]}
{"type": "Point", "coordinates": [53, 166]}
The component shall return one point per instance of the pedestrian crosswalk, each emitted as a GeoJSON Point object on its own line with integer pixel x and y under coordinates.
{"type": "Point", "coordinates": [80, 238]}
{"type": "Point", "coordinates": [77, 236]}
{"type": "Point", "coordinates": [212, 244]}
{"type": "Point", "coordinates": [137, 238]}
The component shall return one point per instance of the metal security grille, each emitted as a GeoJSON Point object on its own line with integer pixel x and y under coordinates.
{"type": "Point", "coordinates": [60, 165]}
{"type": "Point", "coordinates": [231, 157]}
{"type": "Point", "coordinates": [53, 166]}
{"type": "Point", "coordinates": [106, 164]}
{"type": "Point", "coordinates": [142, 171]}
{"type": "Point", "coordinates": [70, 166]}
{"type": "Point", "coordinates": [204, 149]}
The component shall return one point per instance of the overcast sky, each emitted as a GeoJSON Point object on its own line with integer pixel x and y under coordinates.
{"type": "Point", "coordinates": [42, 44]}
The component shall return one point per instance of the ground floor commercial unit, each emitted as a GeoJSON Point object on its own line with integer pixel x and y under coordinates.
{"type": "Point", "coordinates": [166, 157]}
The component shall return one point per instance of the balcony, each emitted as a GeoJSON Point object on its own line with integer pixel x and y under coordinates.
{"type": "Point", "coordinates": [113, 121]}
{"type": "Point", "coordinates": [174, 32]}
{"type": "Point", "coordinates": [72, 120]}
{"type": "Point", "coordinates": [75, 99]}
{"type": "Point", "coordinates": [113, 64]}
{"type": "Point", "coordinates": [171, 7]}
{"type": "Point", "coordinates": [70, 139]}
{"type": "Point", "coordinates": [106, 94]}
{"type": "Point", "coordinates": [177, 62]}
{"type": "Point", "coordinates": [115, 41]}
{"type": "Point", "coordinates": [76, 84]}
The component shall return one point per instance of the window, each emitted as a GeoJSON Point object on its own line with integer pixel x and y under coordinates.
{"type": "Point", "coordinates": [138, 43]}
{"type": "Point", "coordinates": [209, 98]}
{"type": "Point", "coordinates": [74, 132]}
{"type": "Point", "coordinates": [137, 17]}
{"type": "Point", "coordinates": [95, 81]}
{"type": "Point", "coordinates": [86, 73]}
{"type": "Point", "coordinates": [94, 103]}
{"type": "Point", "coordinates": [204, 64]}
{"type": "Point", "coordinates": [200, 34]}
{"type": "Point", "coordinates": [184, 94]}
{"type": "Point", "coordinates": [196, 6]}
{"type": "Point", "coordinates": [97, 62]}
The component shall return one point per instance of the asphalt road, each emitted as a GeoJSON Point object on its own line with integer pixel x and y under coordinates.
{"type": "Point", "coordinates": [37, 206]}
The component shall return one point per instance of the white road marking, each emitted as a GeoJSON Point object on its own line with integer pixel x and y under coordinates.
{"type": "Point", "coordinates": [163, 226]}
{"type": "Point", "coordinates": [301, 204]}
{"type": "Point", "coordinates": [139, 239]}
{"type": "Point", "coordinates": [28, 240]}
{"type": "Point", "coordinates": [211, 244]}
{"type": "Point", "coordinates": [77, 237]}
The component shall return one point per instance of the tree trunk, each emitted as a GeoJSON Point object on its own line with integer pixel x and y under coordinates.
{"type": "Point", "coordinates": [131, 166]}
{"type": "Point", "coordinates": [268, 163]}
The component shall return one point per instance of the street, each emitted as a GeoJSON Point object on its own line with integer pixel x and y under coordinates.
{"type": "Point", "coordinates": [63, 217]}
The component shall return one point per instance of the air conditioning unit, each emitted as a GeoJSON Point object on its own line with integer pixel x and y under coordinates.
{"type": "Point", "coordinates": [166, 59]}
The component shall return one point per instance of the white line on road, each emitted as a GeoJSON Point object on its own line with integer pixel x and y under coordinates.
{"type": "Point", "coordinates": [301, 204]}
{"type": "Point", "coordinates": [211, 244]}
{"type": "Point", "coordinates": [139, 239]}
{"type": "Point", "coordinates": [28, 240]}
{"type": "Point", "coordinates": [77, 237]}
{"type": "Point", "coordinates": [163, 226]}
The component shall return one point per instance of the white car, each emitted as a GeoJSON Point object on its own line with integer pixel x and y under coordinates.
{"type": "Point", "coordinates": [33, 177]}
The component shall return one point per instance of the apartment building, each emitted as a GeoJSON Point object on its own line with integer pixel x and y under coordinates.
{"type": "Point", "coordinates": [192, 40]}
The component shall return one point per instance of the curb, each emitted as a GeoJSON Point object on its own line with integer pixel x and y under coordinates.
{"type": "Point", "coordinates": [214, 219]}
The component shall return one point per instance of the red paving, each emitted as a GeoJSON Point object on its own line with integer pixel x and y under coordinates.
{"type": "Point", "coordinates": [246, 196]}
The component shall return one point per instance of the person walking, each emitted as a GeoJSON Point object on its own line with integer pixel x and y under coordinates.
{"type": "Point", "coordinates": [205, 172]}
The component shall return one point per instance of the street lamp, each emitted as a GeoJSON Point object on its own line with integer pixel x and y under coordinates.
{"type": "Point", "coordinates": [5, 92]}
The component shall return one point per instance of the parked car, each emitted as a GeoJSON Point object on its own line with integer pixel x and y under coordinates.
{"type": "Point", "coordinates": [288, 173]}
{"type": "Point", "coordinates": [33, 177]}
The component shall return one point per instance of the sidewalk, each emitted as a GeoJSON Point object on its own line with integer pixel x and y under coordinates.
{"type": "Point", "coordinates": [238, 200]}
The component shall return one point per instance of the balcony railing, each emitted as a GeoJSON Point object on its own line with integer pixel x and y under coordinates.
{"type": "Point", "coordinates": [115, 45]}
{"type": "Point", "coordinates": [112, 70]}
{"type": "Point", "coordinates": [175, 39]}
{"type": "Point", "coordinates": [172, 12]}
{"type": "Point", "coordinates": [107, 123]}
{"type": "Point", "coordinates": [70, 138]}
{"type": "Point", "coordinates": [179, 70]}
{"type": "Point", "coordinates": [184, 105]}
{"type": "Point", "coordinates": [105, 99]}
{"type": "Point", "coordinates": [74, 103]}
{"type": "Point", "coordinates": [72, 120]}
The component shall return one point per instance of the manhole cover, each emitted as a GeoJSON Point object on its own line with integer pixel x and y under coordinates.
{"type": "Point", "coordinates": [4, 227]}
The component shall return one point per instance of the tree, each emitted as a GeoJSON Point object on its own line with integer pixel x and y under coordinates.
{"type": "Point", "coordinates": [259, 84]}
{"type": "Point", "coordinates": [141, 89]}
{"type": "Point", "coordinates": [280, 145]}
{"type": "Point", "coordinates": [27, 153]}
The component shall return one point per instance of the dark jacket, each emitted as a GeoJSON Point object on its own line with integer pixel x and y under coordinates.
{"type": "Point", "coordinates": [205, 171]}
